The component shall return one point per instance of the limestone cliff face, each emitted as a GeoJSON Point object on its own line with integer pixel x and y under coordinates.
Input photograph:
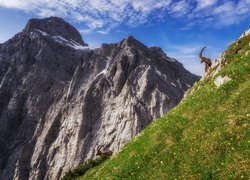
{"type": "Point", "coordinates": [59, 99]}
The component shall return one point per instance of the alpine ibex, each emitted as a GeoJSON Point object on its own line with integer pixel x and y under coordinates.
{"type": "Point", "coordinates": [105, 153]}
{"type": "Point", "coordinates": [207, 61]}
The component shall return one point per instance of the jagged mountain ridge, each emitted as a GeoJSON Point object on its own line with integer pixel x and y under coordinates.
{"type": "Point", "coordinates": [59, 99]}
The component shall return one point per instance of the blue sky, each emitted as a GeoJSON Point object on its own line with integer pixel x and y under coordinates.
{"type": "Point", "coordinates": [180, 27]}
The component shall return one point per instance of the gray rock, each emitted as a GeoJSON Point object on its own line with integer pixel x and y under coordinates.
{"type": "Point", "coordinates": [246, 33]}
{"type": "Point", "coordinates": [59, 100]}
{"type": "Point", "coordinates": [221, 80]}
{"type": "Point", "coordinates": [54, 26]}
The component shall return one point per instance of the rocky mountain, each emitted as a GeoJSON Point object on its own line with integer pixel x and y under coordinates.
{"type": "Point", "coordinates": [59, 99]}
{"type": "Point", "coordinates": [206, 136]}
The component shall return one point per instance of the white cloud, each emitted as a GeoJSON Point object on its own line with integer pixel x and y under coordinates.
{"type": "Point", "coordinates": [85, 31]}
{"type": "Point", "coordinates": [201, 4]}
{"type": "Point", "coordinates": [231, 13]}
{"type": "Point", "coordinates": [106, 31]}
{"type": "Point", "coordinates": [180, 7]}
{"type": "Point", "coordinates": [105, 15]}
{"type": "Point", "coordinates": [224, 8]}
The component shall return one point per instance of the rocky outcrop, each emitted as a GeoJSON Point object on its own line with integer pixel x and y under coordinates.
{"type": "Point", "coordinates": [221, 80]}
{"type": "Point", "coordinates": [246, 33]}
{"type": "Point", "coordinates": [59, 99]}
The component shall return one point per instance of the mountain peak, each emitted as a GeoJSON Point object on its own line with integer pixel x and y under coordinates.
{"type": "Point", "coordinates": [131, 38]}
{"type": "Point", "coordinates": [158, 50]}
{"type": "Point", "coordinates": [54, 26]}
{"type": "Point", "coordinates": [131, 41]}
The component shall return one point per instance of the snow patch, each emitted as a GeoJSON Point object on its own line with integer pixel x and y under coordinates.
{"type": "Point", "coordinates": [160, 73]}
{"type": "Point", "coordinates": [173, 84]}
{"type": "Point", "coordinates": [107, 65]}
{"type": "Point", "coordinates": [179, 83]}
{"type": "Point", "coordinates": [76, 45]}
{"type": "Point", "coordinates": [42, 32]}
{"type": "Point", "coordinates": [104, 71]}
{"type": "Point", "coordinates": [71, 43]}
{"type": "Point", "coordinates": [169, 59]}
{"type": "Point", "coordinates": [221, 80]}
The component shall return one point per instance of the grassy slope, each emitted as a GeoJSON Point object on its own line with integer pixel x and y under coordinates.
{"type": "Point", "coordinates": [206, 136]}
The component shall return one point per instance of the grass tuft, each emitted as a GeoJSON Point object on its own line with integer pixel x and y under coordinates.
{"type": "Point", "coordinates": [82, 169]}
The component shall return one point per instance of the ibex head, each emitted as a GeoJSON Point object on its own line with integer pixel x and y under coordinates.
{"type": "Point", "coordinates": [101, 152]}
{"type": "Point", "coordinates": [201, 56]}
{"type": "Point", "coordinates": [206, 60]}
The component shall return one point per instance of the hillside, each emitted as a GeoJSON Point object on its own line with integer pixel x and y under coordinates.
{"type": "Point", "coordinates": [205, 137]}
{"type": "Point", "coordinates": [60, 100]}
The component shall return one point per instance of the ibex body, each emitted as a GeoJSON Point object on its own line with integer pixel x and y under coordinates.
{"type": "Point", "coordinates": [101, 152]}
{"type": "Point", "coordinates": [207, 61]}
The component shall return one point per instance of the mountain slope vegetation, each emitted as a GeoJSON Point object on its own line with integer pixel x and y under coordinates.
{"type": "Point", "coordinates": [205, 137]}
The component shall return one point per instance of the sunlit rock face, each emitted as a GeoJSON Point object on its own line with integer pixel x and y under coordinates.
{"type": "Point", "coordinates": [59, 99]}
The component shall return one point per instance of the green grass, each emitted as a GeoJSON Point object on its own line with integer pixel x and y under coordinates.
{"type": "Point", "coordinates": [81, 170]}
{"type": "Point", "coordinates": [205, 137]}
